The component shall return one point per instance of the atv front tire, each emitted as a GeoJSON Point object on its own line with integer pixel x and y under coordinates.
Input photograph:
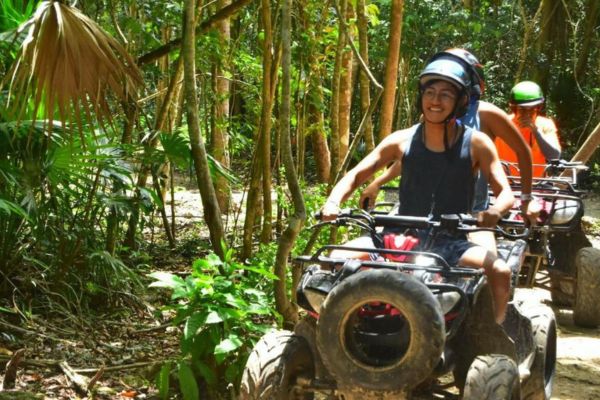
{"type": "Point", "coordinates": [404, 346]}
{"type": "Point", "coordinates": [492, 377]}
{"type": "Point", "coordinates": [538, 386]}
{"type": "Point", "coordinates": [274, 365]}
{"type": "Point", "coordinates": [586, 312]}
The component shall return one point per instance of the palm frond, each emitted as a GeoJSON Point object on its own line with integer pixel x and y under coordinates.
{"type": "Point", "coordinates": [67, 66]}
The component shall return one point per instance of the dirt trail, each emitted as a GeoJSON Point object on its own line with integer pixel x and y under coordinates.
{"type": "Point", "coordinates": [578, 349]}
{"type": "Point", "coordinates": [578, 354]}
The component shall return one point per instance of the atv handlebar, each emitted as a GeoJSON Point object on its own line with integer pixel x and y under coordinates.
{"type": "Point", "coordinates": [462, 223]}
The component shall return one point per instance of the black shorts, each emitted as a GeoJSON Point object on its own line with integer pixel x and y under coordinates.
{"type": "Point", "coordinates": [449, 247]}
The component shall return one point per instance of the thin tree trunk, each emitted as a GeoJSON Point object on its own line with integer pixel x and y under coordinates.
{"type": "Point", "coordinates": [159, 126]}
{"type": "Point", "coordinates": [335, 146]}
{"type": "Point", "coordinates": [220, 137]}
{"type": "Point", "coordinates": [588, 148]}
{"type": "Point", "coordinates": [527, 30]}
{"type": "Point", "coordinates": [212, 213]}
{"type": "Point", "coordinates": [345, 102]}
{"type": "Point", "coordinates": [314, 101]}
{"type": "Point", "coordinates": [286, 242]}
{"type": "Point", "coordinates": [316, 130]}
{"type": "Point", "coordinates": [391, 70]}
{"type": "Point", "coordinates": [112, 222]}
{"type": "Point", "coordinates": [252, 201]}
{"type": "Point", "coordinates": [551, 39]}
{"type": "Point", "coordinates": [267, 105]}
{"type": "Point", "coordinates": [301, 104]}
{"type": "Point", "coordinates": [592, 12]}
{"type": "Point", "coordinates": [175, 44]}
{"type": "Point", "coordinates": [365, 85]}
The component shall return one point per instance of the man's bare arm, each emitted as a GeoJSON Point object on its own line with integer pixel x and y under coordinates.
{"type": "Point", "coordinates": [387, 151]}
{"type": "Point", "coordinates": [486, 158]}
{"type": "Point", "coordinates": [497, 123]}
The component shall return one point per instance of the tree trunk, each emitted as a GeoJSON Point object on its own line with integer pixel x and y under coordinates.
{"type": "Point", "coordinates": [211, 211]}
{"type": "Point", "coordinates": [252, 201]}
{"type": "Point", "coordinates": [335, 96]}
{"type": "Point", "coordinates": [316, 129]}
{"type": "Point", "coordinates": [267, 105]}
{"type": "Point", "coordinates": [345, 102]}
{"type": "Point", "coordinates": [588, 148]}
{"type": "Point", "coordinates": [286, 242]}
{"type": "Point", "coordinates": [262, 152]}
{"type": "Point", "coordinates": [112, 221]}
{"type": "Point", "coordinates": [365, 85]}
{"type": "Point", "coordinates": [528, 26]}
{"type": "Point", "coordinates": [161, 119]}
{"type": "Point", "coordinates": [391, 70]}
{"type": "Point", "coordinates": [220, 137]}
{"type": "Point", "coordinates": [592, 12]}
{"type": "Point", "coordinates": [314, 101]}
{"type": "Point", "coordinates": [552, 39]}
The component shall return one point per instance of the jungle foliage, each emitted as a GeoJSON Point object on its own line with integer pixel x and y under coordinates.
{"type": "Point", "coordinates": [88, 175]}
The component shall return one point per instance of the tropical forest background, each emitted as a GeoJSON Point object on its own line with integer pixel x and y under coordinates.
{"type": "Point", "coordinates": [111, 108]}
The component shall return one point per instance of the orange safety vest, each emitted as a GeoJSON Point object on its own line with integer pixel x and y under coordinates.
{"type": "Point", "coordinates": [546, 127]}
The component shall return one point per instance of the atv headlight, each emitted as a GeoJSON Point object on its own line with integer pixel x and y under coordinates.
{"type": "Point", "coordinates": [564, 211]}
{"type": "Point", "coordinates": [447, 300]}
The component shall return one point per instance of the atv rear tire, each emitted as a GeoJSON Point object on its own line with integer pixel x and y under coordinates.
{"type": "Point", "coordinates": [275, 363]}
{"type": "Point", "coordinates": [538, 386]}
{"type": "Point", "coordinates": [492, 377]}
{"type": "Point", "coordinates": [586, 312]}
{"type": "Point", "coordinates": [414, 338]}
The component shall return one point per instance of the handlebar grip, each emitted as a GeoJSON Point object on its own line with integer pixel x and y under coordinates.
{"type": "Point", "coordinates": [365, 204]}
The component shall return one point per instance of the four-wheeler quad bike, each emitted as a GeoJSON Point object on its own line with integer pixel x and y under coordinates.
{"type": "Point", "coordinates": [389, 328]}
{"type": "Point", "coordinates": [560, 257]}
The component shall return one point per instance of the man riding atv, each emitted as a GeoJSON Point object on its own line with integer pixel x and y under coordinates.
{"type": "Point", "coordinates": [382, 321]}
{"type": "Point", "coordinates": [540, 133]}
{"type": "Point", "coordinates": [439, 161]}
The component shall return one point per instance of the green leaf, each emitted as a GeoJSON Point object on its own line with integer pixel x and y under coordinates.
{"type": "Point", "coordinates": [261, 271]}
{"type": "Point", "coordinates": [162, 381]}
{"type": "Point", "coordinates": [228, 345]}
{"type": "Point", "coordinates": [166, 280]}
{"type": "Point", "coordinates": [234, 301]}
{"type": "Point", "coordinates": [206, 372]}
{"type": "Point", "coordinates": [213, 318]}
{"type": "Point", "coordinates": [10, 207]}
{"type": "Point", "coordinates": [193, 324]}
{"type": "Point", "coordinates": [170, 281]}
{"type": "Point", "coordinates": [187, 382]}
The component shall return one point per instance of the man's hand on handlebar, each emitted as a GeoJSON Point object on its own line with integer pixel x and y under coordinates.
{"type": "Point", "coordinates": [531, 211]}
{"type": "Point", "coordinates": [368, 196]}
{"type": "Point", "coordinates": [489, 218]}
{"type": "Point", "coordinates": [330, 211]}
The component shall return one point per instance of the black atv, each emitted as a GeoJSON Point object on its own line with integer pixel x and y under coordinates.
{"type": "Point", "coordinates": [386, 329]}
{"type": "Point", "coordinates": [560, 258]}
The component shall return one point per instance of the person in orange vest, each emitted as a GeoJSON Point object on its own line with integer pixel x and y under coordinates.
{"type": "Point", "coordinates": [526, 103]}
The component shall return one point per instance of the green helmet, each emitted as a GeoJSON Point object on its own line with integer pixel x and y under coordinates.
{"type": "Point", "coordinates": [526, 94]}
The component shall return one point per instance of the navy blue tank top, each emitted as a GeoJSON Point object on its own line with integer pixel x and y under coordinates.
{"type": "Point", "coordinates": [436, 183]}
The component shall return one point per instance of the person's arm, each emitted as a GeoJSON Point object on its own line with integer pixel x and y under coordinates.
{"type": "Point", "coordinates": [370, 192]}
{"type": "Point", "coordinates": [486, 158]}
{"type": "Point", "coordinates": [387, 151]}
{"type": "Point", "coordinates": [546, 136]}
{"type": "Point", "coordinates": [497, 122]}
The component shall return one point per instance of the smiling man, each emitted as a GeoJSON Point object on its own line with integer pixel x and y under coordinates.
{"type": "Point", "coordinates": [439, 160]}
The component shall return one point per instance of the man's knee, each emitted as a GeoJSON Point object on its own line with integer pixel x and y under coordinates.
{"type": "Point", "coordinates": [501, 270]}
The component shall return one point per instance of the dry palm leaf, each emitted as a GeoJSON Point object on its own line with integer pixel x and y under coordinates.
{"type": "Point", "coordinates": [68, 65]}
